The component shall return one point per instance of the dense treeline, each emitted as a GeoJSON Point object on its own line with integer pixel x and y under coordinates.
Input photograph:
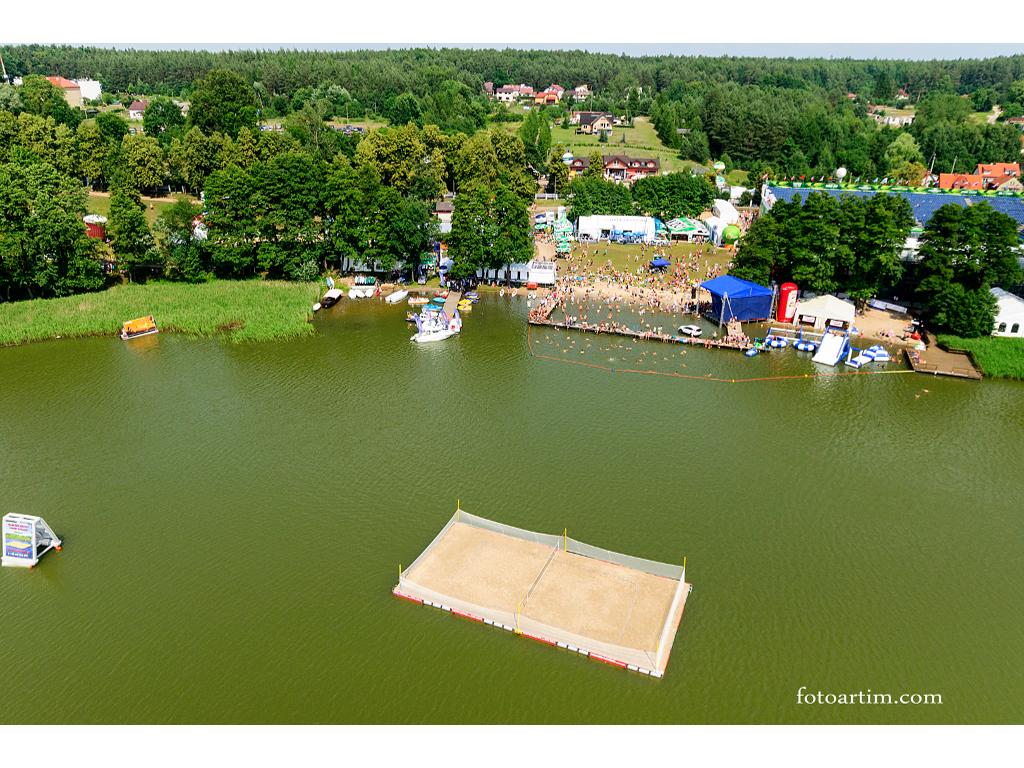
{"type": "Point", "coordinates": [854, 245]}
{"type": "Point", "coordinates": [666, 197]}
{"type": "Point", "coordinates": [275, 204]}
{"type": "Point", "coordinates": [787, 132]}
{"type": "Point", "coordinates": [371, 77]}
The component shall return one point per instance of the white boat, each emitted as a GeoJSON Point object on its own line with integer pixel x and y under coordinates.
{"type": "Point", "coordinates": [397, 296]}
{"type": "Point", "coordinates": [331, 298]}
{"type": "Point", "coordinates": [426, 336]}
{"type": "Point", "coordinates": [436, 326]}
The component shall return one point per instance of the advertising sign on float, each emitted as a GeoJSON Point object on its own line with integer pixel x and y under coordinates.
{"type": "Point", "coordinates": [19, 538]}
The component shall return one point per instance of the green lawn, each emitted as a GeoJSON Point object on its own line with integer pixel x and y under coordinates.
{"type": "Point", "coordinates": [641, 140]}
{"type": "Point", "coordinates": [249, 310]}
{"type": "Point", "coordinates": [97, 203]}
{"type": "Point", "coordinates": [997, 356]}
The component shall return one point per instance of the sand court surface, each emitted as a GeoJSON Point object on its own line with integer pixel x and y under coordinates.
{"type": "Point", "coordinates": [539, 585]}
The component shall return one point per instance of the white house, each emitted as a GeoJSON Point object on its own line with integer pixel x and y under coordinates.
{"type": "Point", "coordinates": [607, 227]}
{"type": "Point", "coordinates": [136, 109]}
{"type": "Point", "coordinates": [1009, 314]}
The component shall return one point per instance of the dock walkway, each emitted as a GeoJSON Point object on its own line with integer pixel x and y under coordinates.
{"type": "Point", "coordinates": [940, 362]}
{"type": "Point", "coordinates": [452, 303]}
{"type": "Point", "coordinates": [542, 316]}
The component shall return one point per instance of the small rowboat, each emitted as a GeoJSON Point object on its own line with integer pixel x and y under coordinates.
{"type": "Point", "coordinates": [140, 326]}
{"type": "Point", "coordinates": [416, 301]}
{"type": "Point", "coordinates": [397, 296]}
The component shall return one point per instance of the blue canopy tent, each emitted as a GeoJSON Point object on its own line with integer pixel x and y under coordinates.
{"type": "Point", "coordinates": [659, 263]}
{"type": "Point", "coordinates": [732, 297]}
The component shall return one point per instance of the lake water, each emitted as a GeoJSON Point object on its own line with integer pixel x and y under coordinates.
{"type": "Point", "coordinates": [234, 517]}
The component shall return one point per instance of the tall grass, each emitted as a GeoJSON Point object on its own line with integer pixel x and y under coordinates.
{"type": "Point", "coordinates": [251, 310]}
{"type": "Point", "coordinates": [997, 356]}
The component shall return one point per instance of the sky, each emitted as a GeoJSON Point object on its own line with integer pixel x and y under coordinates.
{"type": "Point", "coordinates": [798, 50]}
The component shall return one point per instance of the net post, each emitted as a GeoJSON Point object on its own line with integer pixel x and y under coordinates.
{"type": "Point", "coordinates": [663, 639]}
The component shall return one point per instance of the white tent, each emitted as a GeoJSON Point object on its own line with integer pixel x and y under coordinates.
{"type": "Point", "coordinates": [604, 227]}
{"type": "Point", "coordinates": [725, 211]}
{"type": "Point", "coordinates": [1009, 314]}
{"type": "Point", "coordinates": [825, 311]}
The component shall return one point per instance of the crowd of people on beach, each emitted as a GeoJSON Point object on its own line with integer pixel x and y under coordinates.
{"type": "Point", "coordinates": [588, 279]}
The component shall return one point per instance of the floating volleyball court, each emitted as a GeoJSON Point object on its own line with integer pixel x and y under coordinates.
{"type": "Point", "coordinates": [614, 608]}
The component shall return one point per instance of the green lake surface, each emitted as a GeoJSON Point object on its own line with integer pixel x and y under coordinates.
{"type": "Point", "coordinates": [234, 517]}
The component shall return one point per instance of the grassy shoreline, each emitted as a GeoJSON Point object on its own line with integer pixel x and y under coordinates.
{"type": "Point", "coordinates": [250, 310]}
{"type": "Point", "coordinates": [998, 357]}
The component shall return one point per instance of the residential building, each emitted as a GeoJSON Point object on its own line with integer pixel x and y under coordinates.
{"type": "Point", "coordinates": [1009, 314]}
{"type": "Point", "coordinates": [72, 91]}
{"type": "Point", "coordinates": [620, 168]}
{"type": "Point", "coordinates": [581, 92]}
{"type": "Point", "coordinates": [550, 95]}
{"type": "Point", "coordinates": [1001, 176]}
{"type": "Point", "coordinates": [513, 93]}
{"type": "Point", "coordinates": [489, 89]}
{"type": "Point", "coordinates": [136, 109]}
{"type": "Point", "coordinates": [443, 210]}
{"type": "Point", "coordinates": [960, 181]}
{"type": "Point", "coordinates": [1017, 122]}
{"type": "Point", "coordinates": [592, 122]}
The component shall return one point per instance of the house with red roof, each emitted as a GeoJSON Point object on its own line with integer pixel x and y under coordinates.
{"type": "Point", "coordinates": [620, 168]}
{"type": "Point", "coordinates": [1001, 176]}
{"type": "Point", "coordinates": [72, 91]}
{"type": "Point", "coordinates": [960, 181]}
{"type": "Point", "coordinates": [136, 109]}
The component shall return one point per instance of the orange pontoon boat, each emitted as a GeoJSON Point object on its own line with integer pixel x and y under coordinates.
{"type": "Point", "coordinates": [140, 326]}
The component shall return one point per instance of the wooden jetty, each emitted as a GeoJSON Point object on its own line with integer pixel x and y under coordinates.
{"type": "Point", "coordinates": [452, 302]}
{"type": "Point", "coordinates": [542, 316]}
{"type": "Point", "coordinates": [940, 362]}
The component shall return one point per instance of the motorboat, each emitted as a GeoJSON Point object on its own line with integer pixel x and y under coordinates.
{"type": "Point", "coordinates": [690, 330]}
{"type": "Point", "coordinates": [140, 326]}
{"type": "Point", "coordinates": [397, 296]}
{"type": "Point", "coordinates": [436, 326]}
{"type": "Point", "coordinates": [331, 298]}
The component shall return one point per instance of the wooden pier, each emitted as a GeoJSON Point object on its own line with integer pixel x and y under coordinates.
{"type": "Point", "coordinates": [542, 316]}
{"type": "Point", "coordinates": [939, 362]}
{"type": "Point", "coordinates": [452, 303]}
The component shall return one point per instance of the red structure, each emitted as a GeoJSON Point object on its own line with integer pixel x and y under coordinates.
{"type": "Point", "coordinates": [96, 226]}
{"type": "Point", "coordinates": [787, 303]}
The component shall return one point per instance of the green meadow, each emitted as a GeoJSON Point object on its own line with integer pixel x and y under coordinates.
{"type": "Point", "coordinates": [250, 310]}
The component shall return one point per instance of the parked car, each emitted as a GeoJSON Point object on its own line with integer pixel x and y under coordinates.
{"type": "Point", "coordinates": [690, 330]}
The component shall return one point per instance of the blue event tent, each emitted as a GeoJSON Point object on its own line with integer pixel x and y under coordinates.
{"type": "Point", "coordinates": [660, 263]}
{"type": "Point", "coordinates": [732, 297]}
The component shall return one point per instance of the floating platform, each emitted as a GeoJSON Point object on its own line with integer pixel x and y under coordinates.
{"type": "Point", "coordinates": [614, 608]}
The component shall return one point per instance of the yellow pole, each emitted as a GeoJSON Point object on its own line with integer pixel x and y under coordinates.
{"type": "Point", "coordinates": [399, 571]}
{"type": "Point", "coordinates": [565, 539]}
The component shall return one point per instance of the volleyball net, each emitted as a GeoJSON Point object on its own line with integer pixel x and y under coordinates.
{"type": "Point", "coordinates": [617, 608]}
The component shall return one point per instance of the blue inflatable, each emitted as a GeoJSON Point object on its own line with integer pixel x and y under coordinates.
{"type": "Point", "coordinates": [752, 352]}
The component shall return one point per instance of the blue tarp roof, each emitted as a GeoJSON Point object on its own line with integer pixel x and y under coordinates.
{"type": "Point", "coordinates": [735, 287]}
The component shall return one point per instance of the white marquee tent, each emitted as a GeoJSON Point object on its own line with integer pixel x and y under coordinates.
{"type": "Point", "coordinates": [825, 311]}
